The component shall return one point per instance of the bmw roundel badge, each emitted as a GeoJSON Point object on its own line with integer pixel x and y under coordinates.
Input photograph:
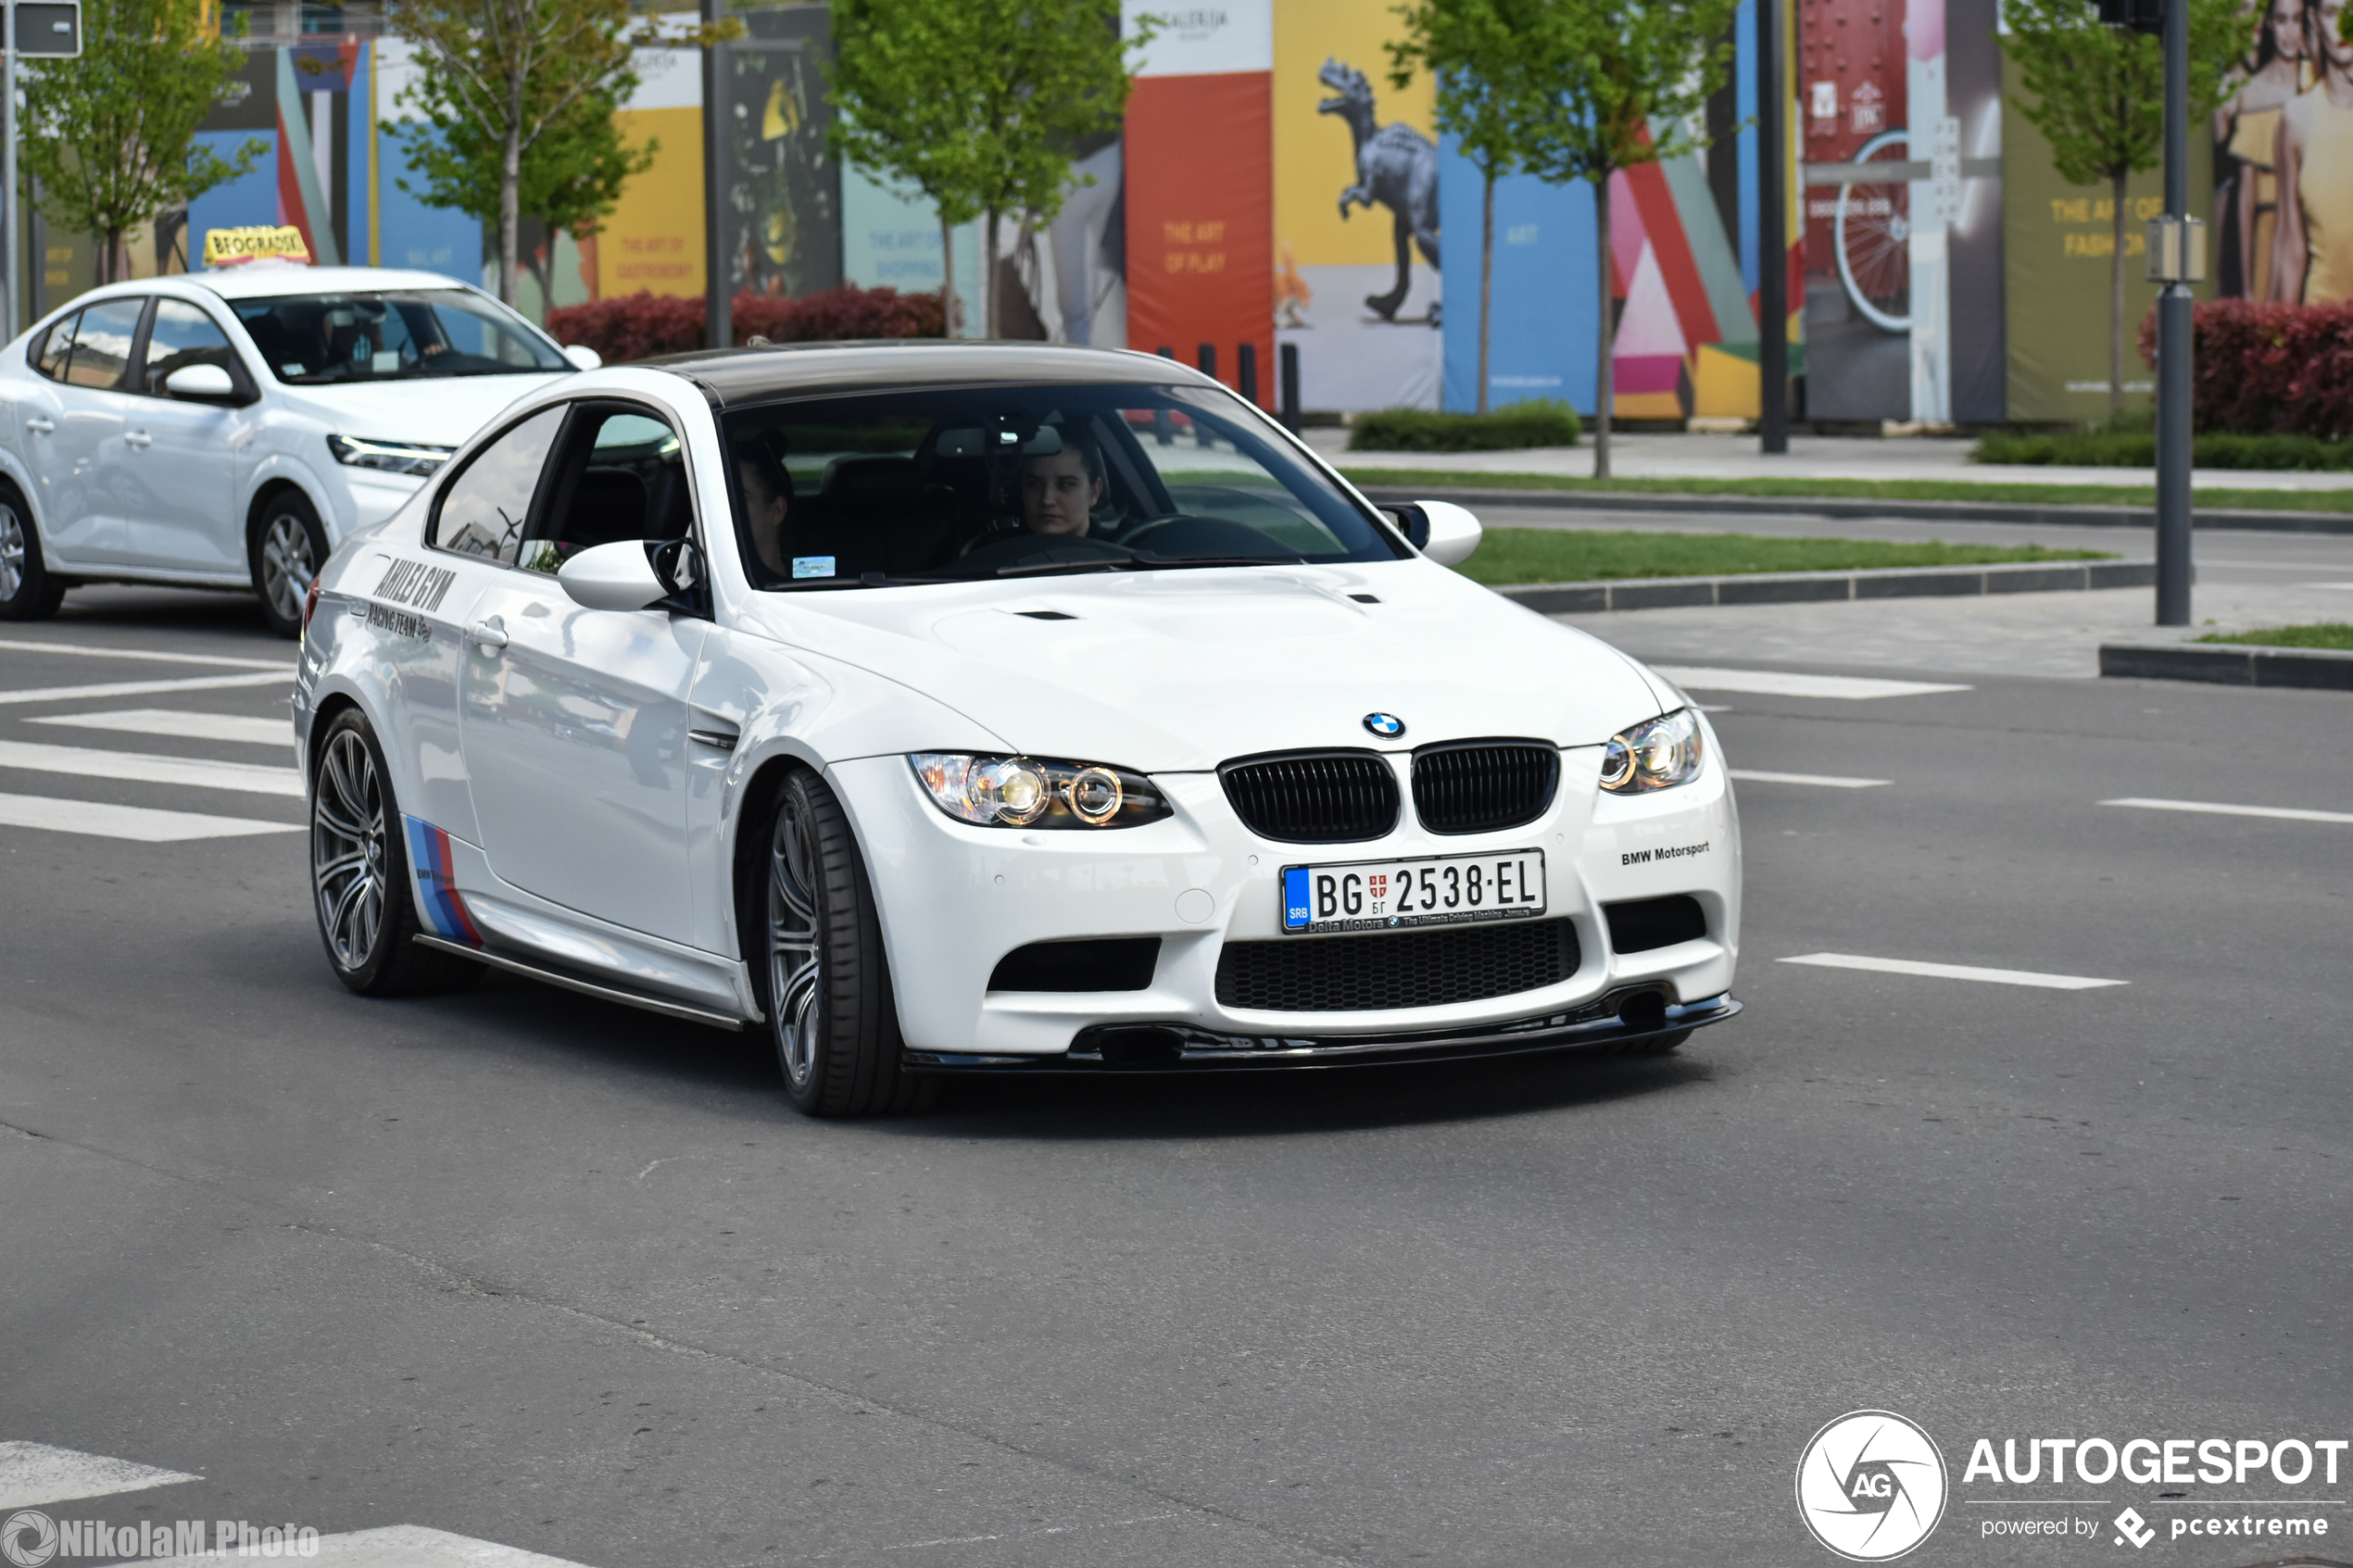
{"type": "Point", "coordinates": [1386, 725]}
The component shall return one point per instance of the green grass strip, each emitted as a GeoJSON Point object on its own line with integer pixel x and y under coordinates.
{"type": "Point", "coordinates": [1862, 490]}
{"type": "Point", "coordinates": [1563, 554]}
{"type": "Point", "coordinates": [2319, 635]}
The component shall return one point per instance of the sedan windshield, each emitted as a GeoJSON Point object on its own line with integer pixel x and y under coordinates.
{"type": "Point", "coordinates": [398, 334]}
{"type": "Point", "coordinates": [958, 484]}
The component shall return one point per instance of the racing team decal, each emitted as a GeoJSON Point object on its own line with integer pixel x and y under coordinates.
{"type": "Point", "coordinates": [437, 892]}
{"type": "Point", "coordinates": [415, 584]}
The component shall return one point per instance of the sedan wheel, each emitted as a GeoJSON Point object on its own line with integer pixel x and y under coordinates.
{"type": "Point", "coordinates": [27, 591]}
{"type": "Point", "coordinates": [288, 548]}
{"type": "Point", "coordinates": [825, 981]}
{"type": "Point", "coordinates": [359, 875]}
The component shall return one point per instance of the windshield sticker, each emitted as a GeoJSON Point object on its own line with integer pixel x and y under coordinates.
{"type": "Point", "coordinates": [812, 566]}
{"type": "Point", "coordinates": [415, 584]}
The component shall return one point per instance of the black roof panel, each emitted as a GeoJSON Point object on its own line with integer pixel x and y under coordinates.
{"type": "Point", "coordinates": [734, 377]}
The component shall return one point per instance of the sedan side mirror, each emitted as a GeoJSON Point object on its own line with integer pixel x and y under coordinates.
{"type": "Point", "coordinates": [614, 576]}
{"type": "Point", "coordinates": [586, 358]}
{"type": "Point", "coordinates": [209, 382]}
{"type": "Point", "coordinates": [1440, 530]}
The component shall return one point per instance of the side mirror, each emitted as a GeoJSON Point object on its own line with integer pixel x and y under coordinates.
{"type": "Point", "coordinates": [615, 576]}
{"type": "Point", "coordinates": [1440, 530]}
{"type": "Point", "coordinates": [209, 382]}
{"type": "Point", "coordinates": [586, 358]}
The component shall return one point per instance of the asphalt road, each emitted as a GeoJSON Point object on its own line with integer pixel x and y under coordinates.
{"type": "Point", "coordinates": [575, 1279]}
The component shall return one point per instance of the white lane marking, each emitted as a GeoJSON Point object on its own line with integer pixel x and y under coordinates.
{"type": "Point", "coordinates": [2286, 813]}
{"type": "Point", "coordinates": [1956, 972]}
{"type": "Point", "coordinates": [183, 724]}
{"type": "Point", "coordinates": [1784, 682]}
{"type": "Point", "coordinates": [32, 1474]}
{"type": "Point", "coordinates": [399, 1546]}
{"type": "Point", "coordinates": [253, 778]}
{"type": "Point", "coordinates": [20, 646]}
{"type": "Point", "coordinates": [141, 824]}
{"type": "Point", "coordinates": [1828, 780]}
{"type": "Point", "coordinates": [145, 688]}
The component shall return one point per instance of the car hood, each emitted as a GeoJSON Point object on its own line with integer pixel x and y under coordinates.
{"type": "Point", "coordinates": [1175, 671]}
{"type": "Point", "coordinates": [435, 412]}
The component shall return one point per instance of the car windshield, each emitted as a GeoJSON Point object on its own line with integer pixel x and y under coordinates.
{"type": "Point", "coordinates": [958, 484]}
{"type": "Point", "coordinates": [395, 335]}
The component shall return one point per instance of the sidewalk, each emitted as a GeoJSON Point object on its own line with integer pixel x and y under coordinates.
{"type": "Point", "coordinates": [1809, 457]}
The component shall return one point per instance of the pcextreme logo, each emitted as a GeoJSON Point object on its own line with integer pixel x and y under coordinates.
{"type": "Point", "coordinates": [1871, 1485]}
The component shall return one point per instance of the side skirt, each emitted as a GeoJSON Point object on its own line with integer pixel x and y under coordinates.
{"type": "Point", "coordinates": [586, 987]}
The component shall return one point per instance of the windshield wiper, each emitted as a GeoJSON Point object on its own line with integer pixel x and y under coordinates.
{"type": "Point", "coordinates": [1161, 561]}
{"type": "Point", "coordinates": [1100, 563]}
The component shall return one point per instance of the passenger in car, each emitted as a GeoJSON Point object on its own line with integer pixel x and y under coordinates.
{"type": "Point", "coordinates": [1061, 489]}
{"type": "Point", "coordinates": [767, 485]}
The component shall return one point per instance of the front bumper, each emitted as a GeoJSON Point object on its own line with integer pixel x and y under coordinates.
{"type": "Point", "coordinates": [1620, 1019]}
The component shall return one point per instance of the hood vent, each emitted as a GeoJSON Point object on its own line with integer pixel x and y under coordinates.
{"type": "Point", "coordinates": [1484, 785]}
{"type": "Point", "coordinates": [1314, 796]}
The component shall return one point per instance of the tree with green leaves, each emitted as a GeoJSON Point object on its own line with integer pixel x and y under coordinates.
{"type": "Point", "coordinates": [111, 137]}
{"type": "Point", "coordinates": [1617, 83]}
{"type": "Point", "coordinates": [2097, 95]}
{"type": "Point", "coordinates": [570, 176]}
{"type": "Point", "coordinates": [1474, 49]}
{"type": "Point", "coordinates": [515, 72]}
{"type": "Point", "coordinates": [977, 105]}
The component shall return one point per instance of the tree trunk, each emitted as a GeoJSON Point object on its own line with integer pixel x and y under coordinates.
{"type": "Point", "coordinates": [988, 279]}
{"type": "Point", "coordinates": [2115, 305]}
{"type": "Point", "coordinates": [948, 277]}
{"type": "Point", "coordinates": [1605, 333]}
{"type": "Point", "coordinates": [1486, 283]}
{"type": "Point", "coordinates": [509, 192]}
{"type": "Point", "coordinates": [110, 267]}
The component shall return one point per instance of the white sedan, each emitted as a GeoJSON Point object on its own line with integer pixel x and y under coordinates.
{"type": "Point", "coordinates": [228, 428]}
{"type": "Point", "coordinates": [981, 708]}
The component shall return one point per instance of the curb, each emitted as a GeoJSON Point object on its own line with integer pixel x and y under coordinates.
{"type": "Point", "coordinates": [2229, 664]}
{"type": "Point", "coordinates": [1806, 588]}
{"type": "Point", "coordinates": [1845, 507]}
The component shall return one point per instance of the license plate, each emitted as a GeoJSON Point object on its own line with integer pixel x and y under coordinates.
{"type": "Point", "coordinates": [1393, 894]}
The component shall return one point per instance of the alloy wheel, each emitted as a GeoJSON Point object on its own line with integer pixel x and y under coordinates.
{"type": "Point", "coordinates": [347, 850]}
{"type": "Point", "coordinates": [286, 564]}
{"type": "Point", "coordinates": [795, 960]}
{"type": "Point", "coordinates": [12, 552]}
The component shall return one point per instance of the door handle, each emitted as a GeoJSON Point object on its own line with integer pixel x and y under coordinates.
{"type": "Point", "coordinates": [138, 438]}
{"type": "Point", "coordinates": [490, 633]}
{"type": "Point", "coordinates": [47, 427]}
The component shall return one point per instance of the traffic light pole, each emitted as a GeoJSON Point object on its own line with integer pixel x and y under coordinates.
{"type": "Point", "coordinates": [2174, 349]}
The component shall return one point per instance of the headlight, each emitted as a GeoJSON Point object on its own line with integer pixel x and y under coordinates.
{"type": "Point", "coordinates": [1656, 753]}
{"type": "Point", "coordinates": [392, 456]}
{"type": "Point", "coordinates": [1035, 792]}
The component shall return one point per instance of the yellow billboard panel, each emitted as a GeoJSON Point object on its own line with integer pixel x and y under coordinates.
{"type": "Point", "coordinates": [654, 239]}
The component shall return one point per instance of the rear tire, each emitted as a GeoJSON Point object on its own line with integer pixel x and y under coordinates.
{"type": "Point", "coordinates": [360, 881]}
{"type": "Point", "coordinates": [822, 978]}
{"type": "Point", "coordinates": [285, 547]}
{"type": "Point", "coordinates": [27, 591]}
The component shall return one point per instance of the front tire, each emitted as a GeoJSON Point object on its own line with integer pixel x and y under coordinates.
{"type": "Point", "coordinates": [27, 591]}
{"type": "Point", "coordinates": [359, 875]}
{"type": "Point", "coordinates": [285, 549]}
{"type": "Point", "coordinates": [825, 982]}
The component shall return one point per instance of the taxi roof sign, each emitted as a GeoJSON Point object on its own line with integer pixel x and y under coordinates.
{"type": "Point", "coordinates": [231, 247]}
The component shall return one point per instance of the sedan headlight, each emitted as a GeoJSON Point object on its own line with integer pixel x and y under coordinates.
{"type": "Point", "coordinates": [392, 457]}
{"type": "Point", "coordinates": [1036, 791]}
{"type": "Point", "coordinates": [1656, 754]}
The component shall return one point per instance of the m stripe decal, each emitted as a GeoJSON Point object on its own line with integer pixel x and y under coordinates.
{"type": "Point", "coordinates": [436, 884]}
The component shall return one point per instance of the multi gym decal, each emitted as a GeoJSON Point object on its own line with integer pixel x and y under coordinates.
{"type": "Point", "coordinates": [1873, 1484]}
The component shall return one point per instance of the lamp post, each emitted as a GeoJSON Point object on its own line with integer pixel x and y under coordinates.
{"type": "Point", "coordinates": [1772, 233]}
{"type": "Point", "coordinates": [719, 325]}
{"type": "Point", "coordinates": [2177, 258]}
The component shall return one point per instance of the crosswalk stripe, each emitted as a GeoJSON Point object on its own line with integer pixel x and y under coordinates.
{"type": "Point", "coordinates": [84, 651]}
{"type": "Point", "coordinates": [2215, 808]}
{"type": "Point", "coordinates": [1956, 972]}
{"type": "Point", "coordinates": [401, 1545]}
{"type": "Point", "coordinates": [141, 823]}
{"type": "Point", "coordinates": [145, 688]}
{"type": "Point", "coordinates": [1747, 775]}
{"type": "Point", "coordinates": [253, 778]}
{"type": "Point", "coordinates": [182, 724]}
{"type": "Point", "coordinates": [1785, 682]}
{"type": "Point", "coordinates": [31, 1473]}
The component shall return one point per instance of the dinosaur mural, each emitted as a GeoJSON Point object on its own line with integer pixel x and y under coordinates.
{"type": "Point", "coordinates": [1396, 167]}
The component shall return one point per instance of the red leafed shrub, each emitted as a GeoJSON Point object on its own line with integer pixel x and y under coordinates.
{"type": "Point", "coordinates": [2269, 368]}
{"type": "Point", "coordinates": [641, 325]}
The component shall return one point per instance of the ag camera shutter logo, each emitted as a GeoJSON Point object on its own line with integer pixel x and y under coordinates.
{"type": "Point", "coordinates": [1871, 1485]}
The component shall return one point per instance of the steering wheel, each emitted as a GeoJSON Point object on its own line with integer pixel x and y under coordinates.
{"type": "Point", "coordinates": [1014, 549]}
